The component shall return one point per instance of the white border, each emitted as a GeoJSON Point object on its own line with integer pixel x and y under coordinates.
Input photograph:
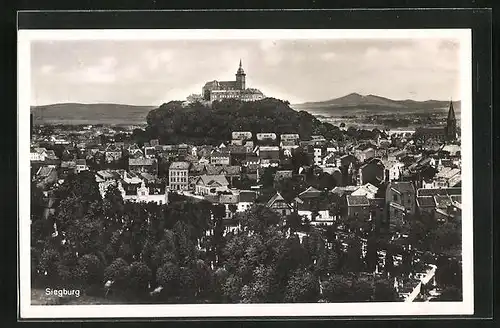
{"type": "Point", "coordinates": [28, 311]}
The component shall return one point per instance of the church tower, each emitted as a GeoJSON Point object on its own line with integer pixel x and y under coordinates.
{"type": "Point", "coordinates": [451, 124]}
{"type": "Point", "coordinates": [240, 78]}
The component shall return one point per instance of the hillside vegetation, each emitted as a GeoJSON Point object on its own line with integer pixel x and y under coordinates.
{"type": "Point", "coordinates": [200, 124]}
{"type": "Point", "coordinates": [76, 113]}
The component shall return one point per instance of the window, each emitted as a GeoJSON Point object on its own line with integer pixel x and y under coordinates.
{"type": "Point", "coordinates": [395, 197]}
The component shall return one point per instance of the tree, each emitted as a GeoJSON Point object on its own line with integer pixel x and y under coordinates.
{"type": "Point", "coordinates": [139, 276]}
{"type": "Point", "coordinates": [450, 294]}
{"type": "Point", "coordinates": [117, 272]}
{"type": "Point", "coordinates": [353, 260]}
{"type": "Point", "coordinates": [259, 288]}
{"type": "Point", "coordinates": [303, 287]}
{"type": "Point", "coordinates": [337, 289]}
{"type": "Point", "coordinates": [89, 270]}
{"type": "Point", "coordinates": [384, 291]}
{"type": "Point", "coordinates": [168, 276]}
{"type": "Point", "coordinates": [231, 288]}
{"type": "Point", "coordinates": [362, 289]}
{"type": "Point", "coordinates": [371, 254]}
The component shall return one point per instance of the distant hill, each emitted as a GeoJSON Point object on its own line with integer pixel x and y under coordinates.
{"type": "Point", "coordinates": [76, 113]}
{"type": "Point", "coordinates": [355, 101]}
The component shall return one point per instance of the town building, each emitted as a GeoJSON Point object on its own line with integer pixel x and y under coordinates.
{"type": "Point", "coordinates": [178, 176]}
{"type": "Point", "coordinates": [211, 184]}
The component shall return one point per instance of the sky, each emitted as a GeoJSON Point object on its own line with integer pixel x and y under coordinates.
{"type": "Point", "coordinates": [152, 72]}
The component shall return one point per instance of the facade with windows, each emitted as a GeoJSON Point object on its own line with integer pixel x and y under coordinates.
{"type": "Point", "coordinates": [178, 176]}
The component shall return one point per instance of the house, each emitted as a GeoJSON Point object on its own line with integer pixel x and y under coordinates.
{"type": "Point", "coordinates": [239, 137]}
{"type": "Point", "coordinates": [278, 204]}
{"type": "Point", "coordinates": [294, 137]}
{"type": "Point", "coordinates": [368, 190]}
{"type": "Point", "coordinates": [317, 156]}
{"type": "Point", "coordinates": [268, 137]}
{"type": "Point", "coordinates": [330, 160]}
{"type": "Point", "coordinates": [397, 214]}
{"type": "Point", "coordinates": [342, 191]}
{"type": "Point", "coordinates": [246, 200]}
{"type": "Point", "coordinates": [373, 171]}
{"type": "Point", "coordinates": [154, 142]}
{"type": "Point", "coordinates": [447, 178]}
{"type": "Point", "coordinates": [38, 154]}
{"type": "Point", "coordinates": [268, 152]}
{"type": "Point", "coordinates": [364, 153]}
{"type": "Point", "coordinates": [220, 157]}
{"type": "Point", "coordinates": [393, 169]}
{"type": "Point", "coordinates": [237, 154]}
{"type": "Point", "coordinates": [112, 153]}
{"type": "Point", "coordinates": [288, 146]}
{"type": "Point", "coordinates": [139, 165]}
{"type": "Point", "coordinates": [81, 165]}
{"type": "Point", "coordinates": [426, 204]}
{"type": "Point", "coordinates": [66, 168]}
{"type": "Point", "coordinates": [358, 206]}
{"type": "Point", "coordinates": [144, 194]}
{"type": "Point", "coordinates": [211, 184]}
{"type": "Point", "coordinates": [402, 193]}
{"type": "Point", "coordinates": [46, 176]}
{"type": "Point", "coordinates": [283, 174]}
{"type": "Point", "coordinates": [178, 176]}
{"type": "Point", "coordinates": [150, 152]}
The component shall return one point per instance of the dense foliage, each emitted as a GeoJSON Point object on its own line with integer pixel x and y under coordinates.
{"type": "Point", "coordinates": [202, 124]}
{"type": "Point", "coordinates": [183, 248]}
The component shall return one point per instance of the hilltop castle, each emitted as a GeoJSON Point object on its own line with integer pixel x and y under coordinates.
{"type": "Point", "coordinates": [219, 90]}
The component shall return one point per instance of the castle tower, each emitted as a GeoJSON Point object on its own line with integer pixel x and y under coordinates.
{"type": "Point", "coordinates": [451, 124]}
{"type": "Point", "coordinates": [240, 78]}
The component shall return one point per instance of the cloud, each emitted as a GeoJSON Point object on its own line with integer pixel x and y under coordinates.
{"type": "Point", "coordinates": [46, 69]}
{"type": "Point", "coordinates": [327, 56]}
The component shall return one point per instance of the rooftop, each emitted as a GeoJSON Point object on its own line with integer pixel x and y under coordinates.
{"type": "Point", "coordinates": [426, 201]}
{"type": "Point", "coordinates": [141, 161]}
{"type": "Point", "coordinates": [212, 179]}
{"type": "Point", "coordinates": [179, 166]}
{"type": "Point", "coordinates": [357, 201]}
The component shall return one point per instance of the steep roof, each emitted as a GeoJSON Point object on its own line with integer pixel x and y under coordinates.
{"type": "Point", "coordinates": [277, 197]}
{"type": "Point", "coordinates": [208, 180]}
{"type": "Point", "coordinates": [442, 201]}
{"type": "Point", "coordinates": [141, 161]}
{"type": "Point", "coordinates": [426, 201]}
{"type": "Point", "coordinates": [439, 191]}
{"type": "Point", "coordinates": [179, 166]}
{"type": "Point", "coordinates": [310, 192]}
{"type": "Point", "coordinates": [357, 201]}
{"type": "Point", "coordinates": [247, 196]}
{"type": "Point", "coordinates": [402, 186]}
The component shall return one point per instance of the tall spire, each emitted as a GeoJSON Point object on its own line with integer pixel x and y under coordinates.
{"type": "Point", "coordinates": [240, 62]}
{"type": "Point", "coordinates": [451, 112]}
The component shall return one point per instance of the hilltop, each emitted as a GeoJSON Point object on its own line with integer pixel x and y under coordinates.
{"type": "Point", "coordinates": [200, 124]}
{"type": "Point", "coordinates": [78, 113]}
{"type": "Point", "coordinates": [356, 101]}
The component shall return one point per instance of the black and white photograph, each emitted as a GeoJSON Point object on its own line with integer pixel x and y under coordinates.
{"type": "Point", "coordinates": [207, 173]}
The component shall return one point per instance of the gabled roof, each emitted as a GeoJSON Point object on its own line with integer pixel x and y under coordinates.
{"type": "Point", "coordinates": [210, 180]}
{"type": "Point", "coordinates": [113, 147]}
{"type": "Point", "coordinates": [426, 201]}
{"type": "Point", "coordinates": [397, 206]}
{"type": "Point", "coordinates": [343, 190]}
{"type": "Point", "coordinates": [357, 201]}
{"type": "Point", "coordinates": [247, 196]}
{"type": "Point", "coordinates": [310, 192]}
{"type": "Point", "coordinates": [228, 199]}
{"type": "Point", "coordinates": [68, 164]}
{"type": "Point", "coordinates": [442, 201]}
{"type": "Point", "coordinates": [276, 198]}
{"type": "Point", "coordinates": [44, 171]}
{"type": "Point", "coordinates": [439, 191]}
{"type": "Point", "coordinates": [141, 161]}
{"type": "Point", "coordinates": [179, 166]}
{"type": "Point", "coordinates": [81, 162]}
{"type": "Point", "coordinates": [402, 186]}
